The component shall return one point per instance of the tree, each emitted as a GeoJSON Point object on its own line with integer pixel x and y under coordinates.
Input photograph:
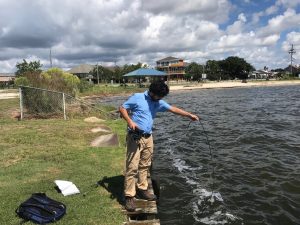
{"type": "Point", "coordinates": [119, 72]}
{"type": "Point", "coordinates": [25, 67]}
{"type": "Point", "coordinates": [213, 70]}
{"type": "Point", "coordinates": [105, 74]}
{"type": "Point", "coordinates": [235, 67]}
{"type": "Point", "coordinates": [194, 71]}
{"type": "Point", "coordinates": [279, 72]}
{"type": "Point", "coordinates": [114, 73]}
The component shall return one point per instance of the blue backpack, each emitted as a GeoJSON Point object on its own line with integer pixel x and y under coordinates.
{"type": "Point", "coordinates": [41, 209]}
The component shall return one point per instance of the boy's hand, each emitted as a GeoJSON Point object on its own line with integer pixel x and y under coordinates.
{"type": "Point", "coordinates": [132, 125]}
{"type": "Point", "coordinates": [194, 117]}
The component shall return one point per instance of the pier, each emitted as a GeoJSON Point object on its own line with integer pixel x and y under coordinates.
{"type": "Point", "coordinates": [145, 213]}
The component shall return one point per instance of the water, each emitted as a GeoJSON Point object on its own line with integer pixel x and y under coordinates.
{"type": "Point", "coordinates": [255, 138]}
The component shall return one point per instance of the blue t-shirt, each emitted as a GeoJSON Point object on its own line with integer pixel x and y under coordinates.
{"type": "Point", "coordinates": [144, 110]}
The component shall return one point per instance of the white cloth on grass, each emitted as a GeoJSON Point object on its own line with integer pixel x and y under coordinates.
{"type": "Point", "coordinates": [66, 187]}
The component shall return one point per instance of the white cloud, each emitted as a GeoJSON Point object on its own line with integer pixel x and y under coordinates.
{"type": "Point", "coordinates": [242, 17]}
{"type": "Point", "coordinates": [213, 10]}
{"type": "Point", "coordinates": [256, 17]}
{"type": "Point", "coordinates": [271, 10]}
{"type": "Point", "coordinates": [292, 38]}
{"type": "Point", "coordinates": [264, 56]}
{"type": "Point", "coordinates": [288, 3]}
{"type": "Point", "coordinates": [128, 31]}
{"type": "Point", "coordinates": [290, 19]}
{"type": "Point", "coordinates": [168, 33]}
{"type": "Point", "coordinates": [237, 26]}
{"type": "Point", "coordinates": [270, 40]}
{"type": "Point", "coordinates": [248, 40]}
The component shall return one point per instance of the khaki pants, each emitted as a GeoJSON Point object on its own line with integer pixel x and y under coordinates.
{"type": "Point", "coordinates": [138, 162]}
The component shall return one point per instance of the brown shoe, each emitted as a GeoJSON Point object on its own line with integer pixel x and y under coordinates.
{"type": "Point", "coordinates": [129, 204]}
{"type": "Point", "coordinates": [144, 194]}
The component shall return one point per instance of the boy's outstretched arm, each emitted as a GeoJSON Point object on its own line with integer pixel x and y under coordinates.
{"type": "Point", "coordinates": [184, 113]}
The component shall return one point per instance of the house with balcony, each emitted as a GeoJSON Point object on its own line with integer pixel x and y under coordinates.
{"type": "Point", "coordinates": [174, 67]}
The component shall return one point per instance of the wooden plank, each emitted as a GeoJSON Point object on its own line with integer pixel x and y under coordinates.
{"type": "Point", "coordinates": [150, 186]}
{"type": "Point", "coordinates": [143, 207]}
{"type": "Point", "coordinates": [146, 206]}
{"type": "Point", "coordinates": [144, 222]}
{"type": "Point", "coordinates": [145, 213]}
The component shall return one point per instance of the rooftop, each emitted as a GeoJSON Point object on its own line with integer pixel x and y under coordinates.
{"type": "Point", "coordinates": [168, 59]}
{"type": "Point", "coordinates": [83, 68]}
{"type": "Point", "coordinates": [7, 75]}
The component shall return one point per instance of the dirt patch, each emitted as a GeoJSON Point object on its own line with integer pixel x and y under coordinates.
{"type": "Point", "coordinates": [15, 114]}
{"type": "Point", "coordinates": [93, 120]}
{"type": "Point", "coordinates": [53, 170]}
{"type": "Point", "coordinates": [12, 161]}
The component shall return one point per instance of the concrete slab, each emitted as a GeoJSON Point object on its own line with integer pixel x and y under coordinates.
{"type": "Point", "coordinates": [108, 140]}
{"type": "Point", "coordinates": [101, 128]}
{"type": "Point", "coordinates": [93, 119]}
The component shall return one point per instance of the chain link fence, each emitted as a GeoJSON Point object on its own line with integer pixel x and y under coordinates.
{"type": "Point", "coordinates": [43, 103]}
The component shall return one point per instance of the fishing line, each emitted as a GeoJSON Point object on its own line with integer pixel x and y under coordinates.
{"type": "Point", "coordinates": [212, 175]}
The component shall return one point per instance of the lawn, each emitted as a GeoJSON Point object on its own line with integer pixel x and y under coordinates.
{"type": "Point", "coordinates": [34, 153]}
{"type": "Point", "coordinates": [107, 90]}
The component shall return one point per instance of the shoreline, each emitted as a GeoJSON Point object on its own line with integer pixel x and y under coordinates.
{"type": "Point", "coordinates": [233, 84]}
{"type": "Point", "coordinates": [188, 87]}
{"type": "Point", "coordinates": [209, 85]}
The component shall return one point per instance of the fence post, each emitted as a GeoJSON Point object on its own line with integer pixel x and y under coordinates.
{"type": "Point", "coordinates": [21, 103]}
{"type": "Point", "coordinates": [64, 106]}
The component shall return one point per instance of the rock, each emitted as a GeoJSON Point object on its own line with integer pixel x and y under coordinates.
{"type": "Point", "coordinates": [108, 140]}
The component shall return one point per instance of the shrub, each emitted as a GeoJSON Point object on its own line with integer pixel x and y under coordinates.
{"type": "Point", "coordinates": [58, 80]}
{"type": "Point", "coordinates": [84, 85]}
{"type": "Point", "coordinates": [53, 79]}
{"type": "Point", "coordinates": [22, 81]}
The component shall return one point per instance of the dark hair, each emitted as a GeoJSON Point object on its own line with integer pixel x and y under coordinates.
{"type": "Point", "coordinates": [159, 88]}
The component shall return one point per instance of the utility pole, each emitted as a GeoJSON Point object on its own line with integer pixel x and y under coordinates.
{"type": "Point", "coordinates": [50, 59]}
{"type": "Point", "coordinates": [292, 51]}
{"type": "Point", "coordinates": [97, 74]}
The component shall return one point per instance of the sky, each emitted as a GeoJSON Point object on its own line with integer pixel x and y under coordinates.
{"type": "Point", "coordinates": [110, 32]}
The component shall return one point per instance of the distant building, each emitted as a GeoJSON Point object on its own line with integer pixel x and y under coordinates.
{"type": "Point", "coordinates": [85, 71]}
{"type": "Point", "coordinates": [295, 69]}
{"type": "Point", "coordinates": [82, 71]}
{"type": "Point", "coordinates": [174, 67]}
{"type": "Point", "coordinates": [262, 74]}
{"type": "Point", "coordinates": [7, 79]}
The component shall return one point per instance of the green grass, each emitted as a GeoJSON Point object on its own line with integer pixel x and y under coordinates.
{"type": "Point", "coordinates": [8, 106]}
{"type": "Point", "coordinates": [34, 153]}
{"type": "Point", "coordinates": [106, 90]}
